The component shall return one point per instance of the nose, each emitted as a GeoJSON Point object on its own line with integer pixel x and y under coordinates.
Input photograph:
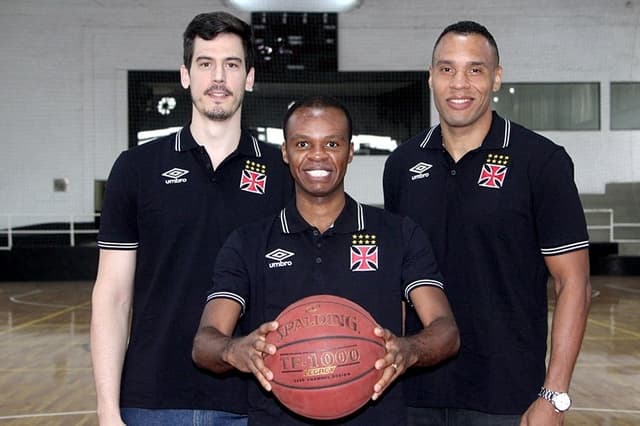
{"type": "Point", "coordinates": [459, 80]}
{"type": "Point", "coordinates": [318, 152]}
{"type": "Point", "coordinates": [218, 74]}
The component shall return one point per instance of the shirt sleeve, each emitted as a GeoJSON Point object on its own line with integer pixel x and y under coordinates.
{"type": "Point", "coordinates": [231, 275]}
{"type": "Point", "coordinates": [389, 181]}
{"type": "Point", "coordinates": [118, 219]}
{"type": "Point", "coordinates": [558, 211]}
{"type": "Point", "coordinates": [419, 263]}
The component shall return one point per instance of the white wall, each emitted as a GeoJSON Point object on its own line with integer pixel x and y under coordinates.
{"type": "Point", "coordinates": [63, 100]}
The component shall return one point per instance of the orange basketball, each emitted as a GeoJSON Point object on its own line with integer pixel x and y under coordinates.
{"type": "Point", "coordinates": [324, 365]}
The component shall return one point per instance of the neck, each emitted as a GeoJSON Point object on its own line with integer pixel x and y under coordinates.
{"type": "Point", "coordinates": [458, 141]}
{"type": "Point", "coordinates": [220, 138]}
{"type": "Point", "coordinates": [320, 212]}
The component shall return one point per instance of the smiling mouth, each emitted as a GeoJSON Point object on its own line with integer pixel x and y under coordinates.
{"type": "Point", "coordinates": [317, 173]}
{"type": "Point", "coordinates": [460, 101]}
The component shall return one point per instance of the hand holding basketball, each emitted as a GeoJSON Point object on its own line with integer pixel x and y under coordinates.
{"type": "Point", "coordinates": [392, 364]}
{"type": "Point", "coordinates": [247, 353]}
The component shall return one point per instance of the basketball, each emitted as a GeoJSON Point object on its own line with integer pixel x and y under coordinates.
{"type": "Point", "coordinates": [324, 365]}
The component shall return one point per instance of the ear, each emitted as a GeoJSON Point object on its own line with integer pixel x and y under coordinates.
{"type": "Point", "coordinates": [185, 79]}
{"type": "Point", "coordinates": [350, 152]}
{"type": "Point", "coordinates": [283, 148]}
{"type": "Point", "coordinates": [497, 79]}
{"type": "Point", "coordinates": [251, 76]}
{"type": "Point", "coordinates": [430, 74]}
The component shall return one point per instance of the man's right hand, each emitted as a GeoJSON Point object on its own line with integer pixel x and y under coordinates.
{"type": "Point", "coordinates": [246, 353]}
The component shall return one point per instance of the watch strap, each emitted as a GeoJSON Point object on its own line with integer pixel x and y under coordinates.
{"type": "Point", "coordinates": [552, 397]}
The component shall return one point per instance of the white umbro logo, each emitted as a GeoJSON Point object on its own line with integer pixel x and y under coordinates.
{"type": "Point", "coordinates": [175, 175]}
{"type": "Point", "coordinates": [280, 256]}
{"type": "Point", "coordinates": [420, 170]}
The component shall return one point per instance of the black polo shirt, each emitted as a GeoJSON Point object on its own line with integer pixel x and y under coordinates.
{"type": "Point", "coordinates": [164, 200]}
{"type": "Point", "coordinates": [369, 256]}
{"type": "Point", "coordinates": [491, 217]}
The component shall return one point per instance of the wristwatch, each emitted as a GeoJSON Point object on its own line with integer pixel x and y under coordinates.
{"type": "Point", "coordinates": [560, 400]}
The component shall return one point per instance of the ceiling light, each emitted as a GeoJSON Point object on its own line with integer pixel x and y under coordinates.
{"type": "Point", "coordinates": [293, 5]}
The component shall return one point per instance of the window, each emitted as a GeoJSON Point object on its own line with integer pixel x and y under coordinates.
{"type": "Point", "coordinates": [625, 106]}
{"type": "Point", "coordinates": [387, 107]}
{"type": "Point", "coordinates": [550, 106]}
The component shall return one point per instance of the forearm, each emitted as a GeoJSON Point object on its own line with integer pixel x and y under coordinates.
{"type": "Point", "coordinates": [434, 343]}
{"type": "Point", "coordinates": [109, 332]}
{"type": "Point", "coordinates": [210, 349]}
{"type": "Point", "coordinates": [567, 332]}
{"type": "Point", "coordinates": [570, 274]}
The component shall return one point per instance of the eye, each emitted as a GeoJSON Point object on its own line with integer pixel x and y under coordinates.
{"type": "Point", "coordinates": [233, 65]}
{"type": "Point", "coordinates": [446, 69]}
{"type": "Point", "coordinates": [302, 144]}
{"type": "Point", "coordinates": [332, 144]}
{"type": "Point", "coordinates": [204, 65]}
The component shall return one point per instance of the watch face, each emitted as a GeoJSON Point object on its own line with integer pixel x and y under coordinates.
{"type": "Point", "coordinates": [562, 402]}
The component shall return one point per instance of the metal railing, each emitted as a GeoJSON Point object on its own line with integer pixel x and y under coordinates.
{"type": "Point", "coordinates": [610, 226]}
{"type": "Point", "coordinates": [69, 226]}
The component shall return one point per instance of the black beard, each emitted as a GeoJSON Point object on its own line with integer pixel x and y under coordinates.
{"type": "Point", "coordinates": [218, 114]}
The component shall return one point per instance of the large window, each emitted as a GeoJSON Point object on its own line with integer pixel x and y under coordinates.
{"type": "Point", "coordinates": [550, 106]}
{"type": "Point", "coordinates": [625, 106]}
{"type": "Point", "coordinates": [387, 107]}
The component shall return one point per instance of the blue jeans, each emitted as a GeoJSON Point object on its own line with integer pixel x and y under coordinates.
{"type": "Point", "coordinates": [458, 417]}
{"type": "Point", "coordinates": [146, 417]}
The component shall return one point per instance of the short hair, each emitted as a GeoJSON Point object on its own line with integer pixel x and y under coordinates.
{"type": "Point", "coordinates": [317, 101]}
{"type": "Point", "coordinates": [466, 28]}
{"type": "Point", "coordinates": [208, 25]}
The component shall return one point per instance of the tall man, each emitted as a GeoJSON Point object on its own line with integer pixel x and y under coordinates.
{"type": "Point", "coordinates": [500, 205]}
{"type": "Point", "coordinates": [321, 232]}
{"type": "Point", "coordinates": [169, 206]}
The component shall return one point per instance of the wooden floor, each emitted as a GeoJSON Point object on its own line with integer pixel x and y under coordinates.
{"type": "Point", "coordinates": [45, 370]}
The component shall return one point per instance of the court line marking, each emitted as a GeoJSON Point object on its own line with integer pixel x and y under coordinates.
{"type": "Point", "coordinates": [604, 364]}
{"type": "Point", "coordinates": [609, 339]}
{"type": "Point", "coordinates": [44, 318]}
{"type": "Point", "coordinates": [605, 325]}
{"type": "Point", "coordinates": [41, 370]}
{"type": "Point", "coordinates": [622, 288]}
{"type": "Point", "coordinates": [80, 413]}
{"type": "Point", "coordinates": [16, 299]}
{"type": "Point", "coordinates": [67, 413]}
{"type": "Point", "coordinates": [606, 410]}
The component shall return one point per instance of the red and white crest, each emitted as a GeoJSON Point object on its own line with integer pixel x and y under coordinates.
{"type": "Point", "coordinates": [364, 258]}
{"type": "Point", "coordinates": [253, 178]}
{"type": "Point", "coordinates": [493, 171]}
{"type": "Point", "coordinates": [492, 176]}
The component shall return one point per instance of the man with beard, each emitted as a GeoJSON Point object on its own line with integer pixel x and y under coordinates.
{"type": "Point", "coordinates": [168, 207]}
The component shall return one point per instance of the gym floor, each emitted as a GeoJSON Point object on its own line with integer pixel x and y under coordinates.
{"type": "Point", "coordinates": [45, 375]}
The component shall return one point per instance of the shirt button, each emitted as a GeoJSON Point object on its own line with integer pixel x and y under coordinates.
{"type": "Point", "coordinates": [453, 172]}
{"type": "Point", "coordinates": [319, 245]}
{"type": "Point", "coordinates": [318, 260]}
{"type": "Point", "coordinates": [316, 232]}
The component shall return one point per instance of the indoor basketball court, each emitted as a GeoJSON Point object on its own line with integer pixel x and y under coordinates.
{"type": "Point", "coordinates": [45, 377]}
{"type": "Point", "coordinates": [83, 81]}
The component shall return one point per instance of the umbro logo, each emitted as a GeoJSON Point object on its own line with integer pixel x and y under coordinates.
{"type": "Point", "coordinates": [175, 175]}
{"type": "Point", "coordinates": [420, 170]}
{"type": "Point", "coordinates": [280, 256]}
